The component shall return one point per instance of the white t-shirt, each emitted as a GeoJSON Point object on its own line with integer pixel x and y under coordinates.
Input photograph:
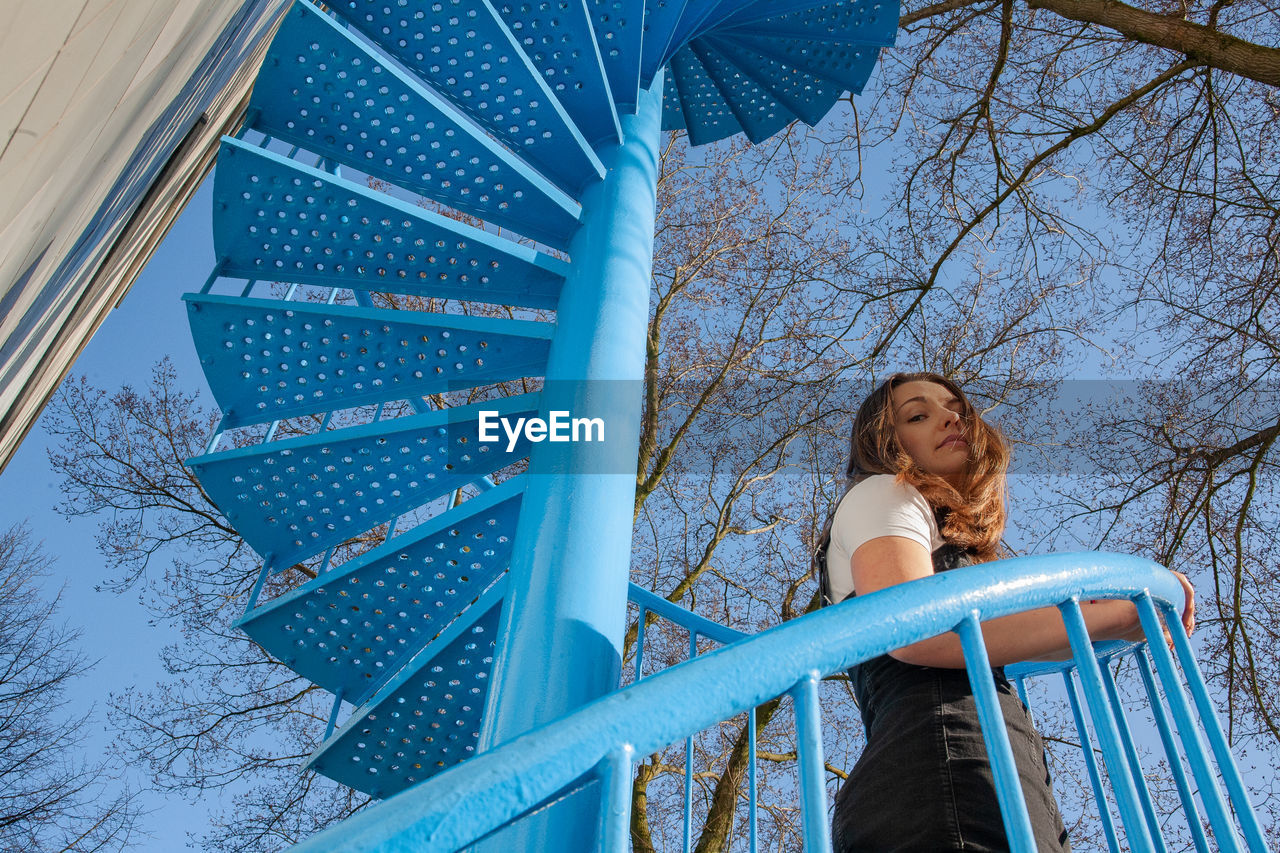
{"type": "Point", "coordinates": [878, 506]}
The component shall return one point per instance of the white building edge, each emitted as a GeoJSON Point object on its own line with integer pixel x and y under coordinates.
{"type": "Point", "coordinates": [110, 113]}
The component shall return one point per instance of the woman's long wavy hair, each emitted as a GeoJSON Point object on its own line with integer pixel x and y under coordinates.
{"type": "Point", "coordinates": [970, 515]}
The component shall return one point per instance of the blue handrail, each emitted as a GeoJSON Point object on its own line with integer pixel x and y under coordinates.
{"type": "Point", "coordinates": [453, 809]}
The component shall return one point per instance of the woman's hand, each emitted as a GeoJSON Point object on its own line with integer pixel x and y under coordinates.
{"type": "Point", "coordinates": [1132, 631]}
{"type": "Point", "coordinates": [1189, 610]}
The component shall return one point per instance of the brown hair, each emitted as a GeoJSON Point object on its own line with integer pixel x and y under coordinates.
{"type": "Point", "coordinates": [970, 515]}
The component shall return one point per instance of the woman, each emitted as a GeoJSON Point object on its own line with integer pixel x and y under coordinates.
{"type": "Point", "coordinates": [926, 494]}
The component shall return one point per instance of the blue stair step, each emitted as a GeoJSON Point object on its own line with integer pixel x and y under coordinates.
{"type": "Point", "coordinates": [558, 37]}
{"type": "Point", "coordinates": [294, 498]}
{"type": "Point", "coordinates": [352, 627]}
{"type": "Point", "coordinates": [698, 16]}
{"type": "Point", "coordinates": [867, 21]}
{"type": "Point", "coordinates": [848, 65]}
{"type": "Point", "coordinates": [707, 115]}
{"type": "Point", "coordinates": [327, 91]}
{"type": "Point", "coordinates": [266, 359]}
{"type": "Point", "coordinates": [426, 717]}
{"type": "Point", "coordinates": [276, 219]}
{"type": "Point", "coordinates": [619, 27]}
{"type": "Point", "coordinates": [805, 95]}
{"type": "Point", "coordinates": [757, 111]}
{"type": "Point", "coordinates": [667, 25]}
{"type": "Point", "coordinates": [672, 114]}
{"type": "Point", "coordinates": [465, 51]}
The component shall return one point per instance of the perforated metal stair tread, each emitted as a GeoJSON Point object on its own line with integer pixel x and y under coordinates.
{"type": "Point", "coordinates": [725, 82]}
{"type": "Point", "coordinates": [619, 27]}
{"type": "Point", "coordinates": [442, 130]}
{"type": "Point", "coordinates": [706, 113]}
{"type": "Point", "coordinates": [805, 95]}
{"type": "Point", "coordinates": [328, 92]}
{"type": "Point", "coordinates": [698, 16]}
{"type": "Point", "coordinates": [296, 497]}
{"type": "Point", "coordinates": [758, 112]}
{"type": "Point", "coordinates": [279, 220]}
{"type": "Point", "coordinates": [351, 628]}
{"type": "Point", "coordinates": [558, 37]}
{"type": "Point", "coordinates": [870, 22]}
{"type": "Point", "coordinates": [661, 19]}
{"type": "Point", "coordinates": [464, 51]}
{"type": "Point", "coordinates": [848, 65]}
{"type": "Point", "coordinates": [426, 717]}
{"type": "Point", "coordinates": [267, 359]}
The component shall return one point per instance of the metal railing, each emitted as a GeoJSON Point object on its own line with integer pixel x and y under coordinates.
{"type": "Point", "coordinates": [597, 743]}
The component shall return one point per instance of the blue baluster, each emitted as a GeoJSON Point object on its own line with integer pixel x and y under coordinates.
{"type": "Point", "coordinates": [1104, 725]}
{"type": "Point", "coordinates": [1013, 806]}
{"type": "Point", "coordinates": [1171, 753]}
{"type": "Point", "coordinates": [812, 766]}
{"type": "Point", "coordinates": [751, 779]}
{"type": "Point", "coordinates": [1210, 794]}
{"type": "Point", "coordinates": [615, 800]}
{"type": "Point", "coordinates": [1131, 753]}
{"type": "Point", "coordinates": [1091, 764]}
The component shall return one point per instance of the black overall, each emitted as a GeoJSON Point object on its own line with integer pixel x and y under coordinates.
{"type": "Point", "coordinates": [924, 784]}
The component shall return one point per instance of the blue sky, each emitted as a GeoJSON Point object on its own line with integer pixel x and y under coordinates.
{"type": "Point", "coordinates": [117, 631]}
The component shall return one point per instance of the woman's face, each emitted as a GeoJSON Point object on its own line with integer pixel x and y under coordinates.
{"type": "Point", "coordinates": [926, 418]}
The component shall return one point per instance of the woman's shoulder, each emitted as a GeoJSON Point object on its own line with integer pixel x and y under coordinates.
{"type": "Point", "coordinates": [882, 488]}
{"type": "Point", "coordinates": [876, 506]}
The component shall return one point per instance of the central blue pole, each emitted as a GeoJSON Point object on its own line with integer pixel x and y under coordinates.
{"type": "Point", "coordinates": [560, 640]}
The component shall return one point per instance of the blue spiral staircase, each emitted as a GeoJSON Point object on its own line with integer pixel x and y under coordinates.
{"type": "Point", "coordinates": [462, 154]}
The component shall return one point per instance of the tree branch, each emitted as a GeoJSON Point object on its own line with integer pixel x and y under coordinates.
{"type": "Point", "coordinates": [1197, 42]}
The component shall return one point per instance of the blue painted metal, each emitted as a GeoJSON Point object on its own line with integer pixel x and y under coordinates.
{"type": "Point", "coordinates": [687, 844]}
{"type": "Point", "coordinates": [615, 823]}
{"type": "Point", "coordinates": [688, 765]}
{"type": "Point", "coordinates": [1210, 793]}
{"type": "Point", "coordinates": [265, 359]}
{"type": "Point", "coordinates": [464, 50]}
{"type": "Point", "coordinates": [1131, 756]}
{"type": "Point", "coordinates": [812, 766]}
{"type": "Point", "coordinates": [758, 66]}
{"type": "Point", "coordinates": [1189, 810]}
{"type": "Point", "coordinates": [700, 625]}
{"type": "Point", "coordinates": [752, 822]}
{"type": "Point", "coordinates": [276, 218]}
{"type": "Point", "coordinates": [410, 630]}
{"type": "Point", "coordinates": [647, 602]}
{"type": "Point", "coordinates": [296, 497]}
{"type": "Point", "coordinates": [1091, 764]}
{"type": "Point", "coordinates": [1021, 685]}
{"type": "Point", "coordinates": [867, 21]}
{"type": "Point", "coordinates": [619, 26]}
{"type": "Point", "coordinates": [423, 718]}
{"type": "Point", "coordinates": [325, 89]}
{"type": "Point", "coordinates": [348, 628]}
{"type": "Point", "coordinates": [661, 19]}
{"type": "Point", "coordinates": [451, 811]}
{"type": "Point", "coordinates": [672, 114]}
{"type": "Point", "coordinates": [1013, 806]}
{"type": "Point", "coordinates": [806, 96]}
{"type": "Point", "coordinates": [1236, 790]}
{"type": "Point", "coordinates": [848, 65]}
{"type": "Point", "coordinates": [564, 623]}
{"type": "Point", "coordinates": [1104, 725]}
{"type": "Point", "coordinates": [757, 111]}
{"type": "Point", "coordinates": [560, 40]}
{"type": "Point", "coordinates": [706, 113]}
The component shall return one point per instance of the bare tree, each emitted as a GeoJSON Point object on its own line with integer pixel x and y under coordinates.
{"type": "Point", "coordinates": [1032, 189]}
{"type": "Point", "coordinates": [51, 798]}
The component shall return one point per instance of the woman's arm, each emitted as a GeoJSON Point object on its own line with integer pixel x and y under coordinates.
{"type": "Point", "coordinates": [1034, 635]}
